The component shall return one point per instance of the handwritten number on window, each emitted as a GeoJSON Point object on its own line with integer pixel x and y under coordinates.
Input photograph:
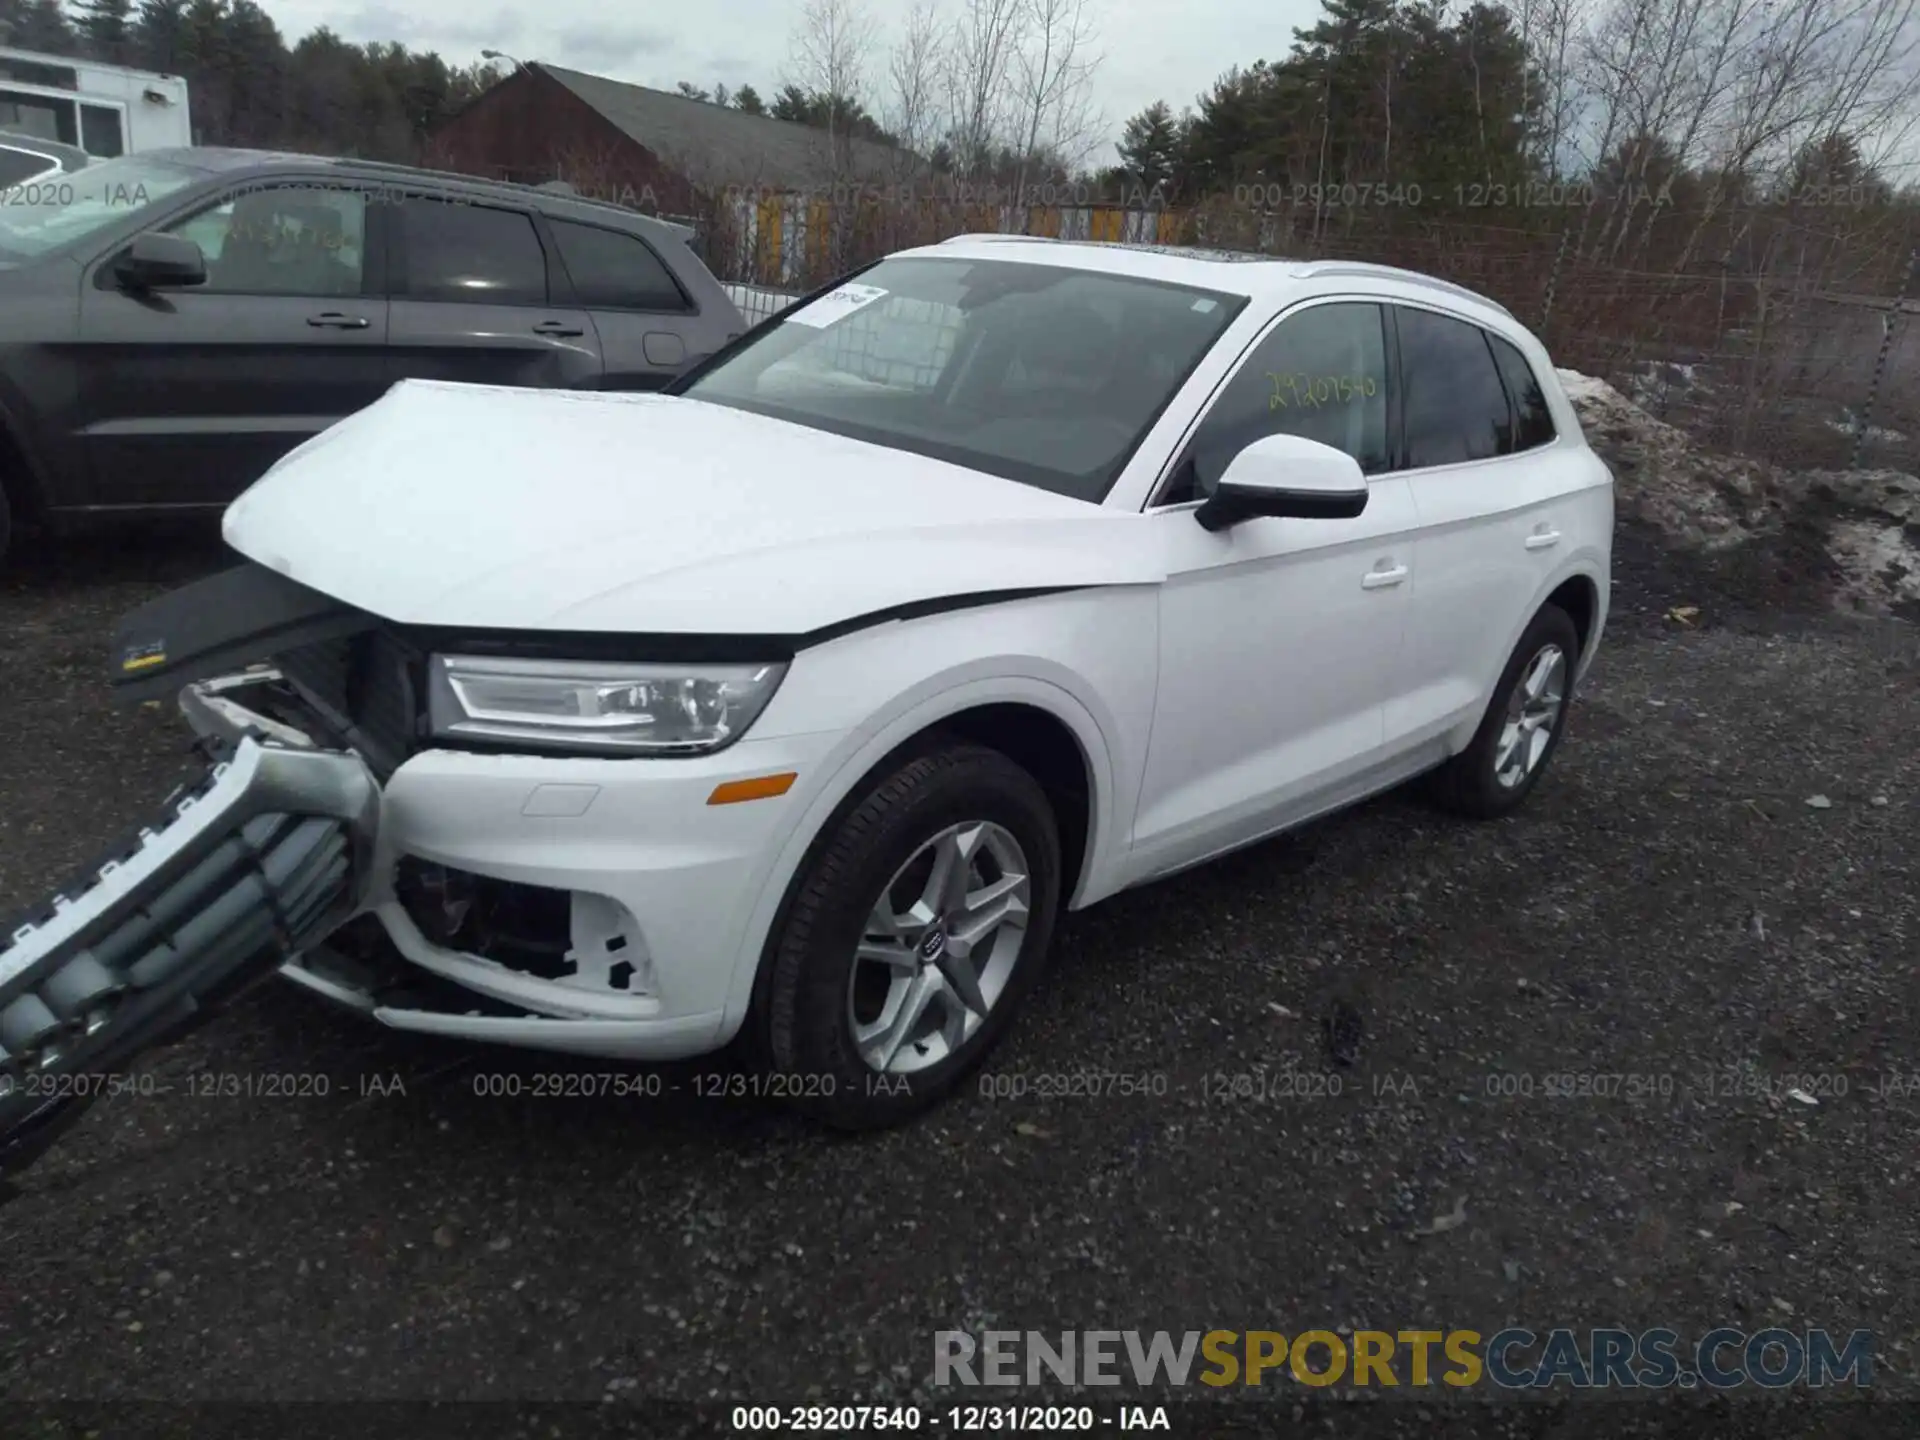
{"type": "Point", "coordinates": [1299, 390]}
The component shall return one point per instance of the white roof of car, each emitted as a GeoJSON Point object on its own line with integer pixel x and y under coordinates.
{"type": "Point", "coordinates": [1262, 277]}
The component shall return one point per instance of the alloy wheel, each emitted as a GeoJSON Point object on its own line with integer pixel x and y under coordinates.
{"type": "Point", "coordinates": [1533, 713]}
{"type": "Point", "coordinates": [940, 944]}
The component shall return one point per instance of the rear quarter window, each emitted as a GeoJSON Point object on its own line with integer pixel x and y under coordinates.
{"type": "Point", "coordinates": [1533, 421]}
{"type": "Point", "coordinates": [612, 270]}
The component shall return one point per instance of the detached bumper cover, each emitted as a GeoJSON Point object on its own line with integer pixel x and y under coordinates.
{"type": "Point", "coordinates": [268, 852]}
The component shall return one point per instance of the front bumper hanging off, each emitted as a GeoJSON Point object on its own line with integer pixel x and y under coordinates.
{"type": "Point", "coordinates": [265, 855]}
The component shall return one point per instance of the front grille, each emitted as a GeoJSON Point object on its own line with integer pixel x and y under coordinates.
{"type": "Point", "coordinates": [367, 687]}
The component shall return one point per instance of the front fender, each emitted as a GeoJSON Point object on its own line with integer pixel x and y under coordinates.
{"type": "Point", "coordinates": [1106, 705]}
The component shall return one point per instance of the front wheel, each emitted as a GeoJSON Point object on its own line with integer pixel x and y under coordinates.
{"type": "Point", "coordinates": [1522, 727]}
{"type": "Point", "coordinates": [916, 929]}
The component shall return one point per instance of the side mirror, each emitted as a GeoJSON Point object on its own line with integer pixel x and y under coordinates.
{"type": "Point", "coordinates": [156, 262]}
{"type": "Point", "coordinates": [1289, 476]}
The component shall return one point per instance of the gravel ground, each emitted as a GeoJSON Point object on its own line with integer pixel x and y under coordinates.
{"type": "Point", "coordinates": [1671, 906]}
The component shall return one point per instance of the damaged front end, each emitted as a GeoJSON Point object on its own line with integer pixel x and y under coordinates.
{"type": "Point", "coordinates": [267, 853]}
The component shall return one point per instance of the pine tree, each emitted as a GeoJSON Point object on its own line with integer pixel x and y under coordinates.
{"type": "Point", "coordinates": [1150, 146]}
{"type": "Point", "coordinates": [159, 35]}
{"type": "Point", "coordinates": [106, 29]}
{"type": "Point", "coordinates": [42, 25]}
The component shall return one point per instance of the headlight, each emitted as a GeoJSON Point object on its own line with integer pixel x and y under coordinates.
{"type": "Point", "coordinates": [634, 709]}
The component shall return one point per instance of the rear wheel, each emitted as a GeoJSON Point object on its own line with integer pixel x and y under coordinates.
{"type": "Point", "coordinates": [916, 930]}
{"type": "Point", "coordinates": [1522, 727]}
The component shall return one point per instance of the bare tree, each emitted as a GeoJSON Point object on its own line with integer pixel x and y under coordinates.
{"type": "Point", "coordinates": [1550, 29]}
{"type": "Point", "coordinates": [986, 37]}
{"type": "Point", "coordinates": [1776, 75]}
{"type": "Point", "coordinates": [832, 47]}
{"type": "Point", "coordinates": [911, 111]}
{"type": "Point", "coordinates": [1052, 70]}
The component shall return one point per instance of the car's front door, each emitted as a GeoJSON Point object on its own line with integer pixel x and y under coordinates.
{"type": "Point", "coordinates": [1280, 639]}
{"type": "Point", "coordinates": [477, 297]}
{"type": "Point", "coordinates": [191, 393]}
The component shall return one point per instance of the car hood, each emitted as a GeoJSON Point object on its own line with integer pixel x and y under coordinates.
{"type": "Point", "coordinates": [448, 504]}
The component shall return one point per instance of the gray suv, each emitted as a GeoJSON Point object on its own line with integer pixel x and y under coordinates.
{"type": "Point", "coordinates": [173, 322]}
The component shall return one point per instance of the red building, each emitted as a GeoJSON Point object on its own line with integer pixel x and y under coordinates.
{"type": "Point", "coordinates": [649, 149]}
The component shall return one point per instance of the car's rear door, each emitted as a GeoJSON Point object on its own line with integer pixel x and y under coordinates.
{"type": "Point", "coordinates": [190, 394]}
{"type": "Point", "coordinates": [648, 326]}
{"type": "Point", "coordinates": [476, 296]}
{"type": "Point", "coordinates": [1496, 493]}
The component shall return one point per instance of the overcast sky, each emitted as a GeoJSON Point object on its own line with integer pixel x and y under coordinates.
{"type": "Point", "coordinates": [1153, 49]}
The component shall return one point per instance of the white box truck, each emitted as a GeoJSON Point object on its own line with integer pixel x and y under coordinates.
{"type": "Point", "coordinates": [105, 110]}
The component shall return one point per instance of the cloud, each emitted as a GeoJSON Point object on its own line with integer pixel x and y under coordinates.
{"type": "Point", "coordinates": [608, 46]}
{"type": "Point", "coordinates": [448, 27]}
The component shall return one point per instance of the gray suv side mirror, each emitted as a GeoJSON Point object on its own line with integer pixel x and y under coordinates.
{"type": "Point", "coordinates": [157, 262]}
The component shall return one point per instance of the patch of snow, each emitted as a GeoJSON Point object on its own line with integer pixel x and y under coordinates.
{"type": "Point", "coordinates": [1881, 567]}
{"type": "Point", "coordinates": [1849, 424]}
{"type": "Point", "coordinates": [1585, 387]}
{"type": "Point", "coordinates": [1705, 500]}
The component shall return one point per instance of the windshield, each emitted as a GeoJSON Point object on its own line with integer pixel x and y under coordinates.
{"type": "Point", "coordinates": [1038, 373]}
{"type": "Point", "coordinates": [41, 216]}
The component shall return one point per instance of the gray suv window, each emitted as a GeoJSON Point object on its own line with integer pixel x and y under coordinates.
{"type": "Point", "coordinates": [286, 240]}
{"type": "Point", "coordinates": [471, 253]}
{"type": "Point", "coordinates": [614, 271]}
{"type": "Point", "coordinates": [19, 165]}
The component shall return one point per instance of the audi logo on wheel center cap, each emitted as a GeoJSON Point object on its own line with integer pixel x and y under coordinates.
{"type": "Point", "coordinates": [934, 942]}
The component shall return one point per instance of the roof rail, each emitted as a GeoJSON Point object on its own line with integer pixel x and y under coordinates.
{"type": "Point", "coordinates": [978, 235]}
{"type": "Point", "coordinates": [1317, 268]}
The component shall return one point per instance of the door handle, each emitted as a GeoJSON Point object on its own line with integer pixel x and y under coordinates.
{"type": "Point", "coordinates": [557, 327]}
{"type": "Point", "coordinates": [334, 320]}
{"type": "Point", "coordinates": [1381, 579]}
{"type": "Point", "coordinates": [1543, 539]}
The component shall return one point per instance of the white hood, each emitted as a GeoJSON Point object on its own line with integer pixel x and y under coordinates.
{"type": "Point", "coordinates": [483, 506]}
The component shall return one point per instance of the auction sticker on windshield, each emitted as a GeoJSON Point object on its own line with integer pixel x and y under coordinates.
{"type": "Point", "coordinates": [836, 305]}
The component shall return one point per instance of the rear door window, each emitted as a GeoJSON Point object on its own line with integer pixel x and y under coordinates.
{"type": "Point", "coordinates": [474, 254]}
{"type": "Point", "coordinates": [1452, 396]}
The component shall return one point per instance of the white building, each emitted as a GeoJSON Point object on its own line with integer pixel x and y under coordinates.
{"type": "Point", "coordinates": [106, 110]}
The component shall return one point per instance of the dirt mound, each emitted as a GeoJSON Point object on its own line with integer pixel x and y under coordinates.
{"type": "Point", "coordinates": [1848, 538]}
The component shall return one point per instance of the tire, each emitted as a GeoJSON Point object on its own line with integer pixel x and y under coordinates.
{"type": "Point", "coordinates": [1471, 783]}
{"type": "Point", "coordinates": [823, 1032]}
{"type": "Point", "coordinates": [6, 524]}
